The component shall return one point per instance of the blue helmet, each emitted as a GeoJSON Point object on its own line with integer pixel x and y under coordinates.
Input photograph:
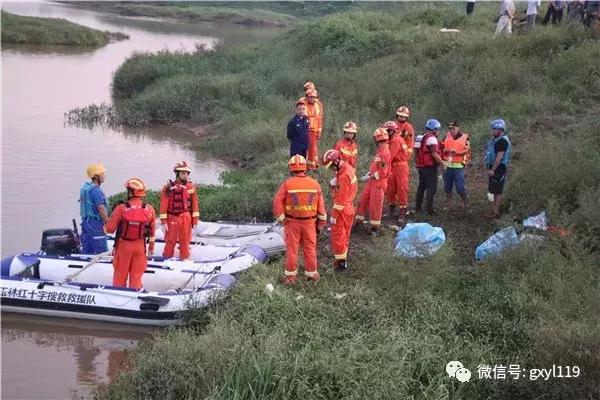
{"type": "Point", "coordinates": [498, 124]}
{"type": "Point", "coordinates": [433, 125]}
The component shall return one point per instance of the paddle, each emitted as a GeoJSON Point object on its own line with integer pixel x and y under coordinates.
{"type": "Point", "coordinates": [93, 261]}
{"type": "Point", "coordinates": [229, 257]}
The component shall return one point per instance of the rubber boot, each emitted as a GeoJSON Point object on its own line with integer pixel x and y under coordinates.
{"type": "Point", "coordinates": [340, 265]}
{"type": "Point", "coordinates": [289, 280]}
{"type": "Point", "coordinates": [403, 213]}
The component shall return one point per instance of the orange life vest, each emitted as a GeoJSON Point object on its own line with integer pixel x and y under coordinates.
{"type": "Point", "coordinates": [135, 222]}
{"type": "Point", "coordinates": [179, 198]}
{"type": "Point", "coordinates": [460, 145]}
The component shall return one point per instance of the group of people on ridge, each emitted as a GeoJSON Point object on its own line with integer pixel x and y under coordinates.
{"type": "Point", "coordinates": [133, 221]}
{"type": "Point", "coordinates": [299, 203]}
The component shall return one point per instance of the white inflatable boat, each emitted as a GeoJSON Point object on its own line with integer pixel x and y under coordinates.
{"type": "Point", "coordinates": [37, 284]}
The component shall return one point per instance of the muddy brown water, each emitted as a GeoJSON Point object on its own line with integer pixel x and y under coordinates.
{"type": "Point", "coordinates": [43, 167]}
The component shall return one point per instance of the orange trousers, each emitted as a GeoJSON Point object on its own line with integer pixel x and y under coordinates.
{"type": "Point", "coordinates": [129, 261]}
{"type": "Point", "coordinates": [300, 233]}
{"type": "Point", "coordinates": [180, 230]}
{"type": "Point", "coordinates": [398, 185]}
{"type": "Point", "coordinates": [312, 155]}
{"type": "Point", "coordinates": [371, 199]}
{"type": "Point", "coordinates": [340, 233]}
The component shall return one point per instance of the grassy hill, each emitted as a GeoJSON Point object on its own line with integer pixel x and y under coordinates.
{"type": "Point", "coordinates": [387, 328]}
{"type": "Point", "coordinates": [52, 31]}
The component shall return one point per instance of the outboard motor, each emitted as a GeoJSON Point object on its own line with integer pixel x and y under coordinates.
{"type": "Point", "coordinates": [59, 242]}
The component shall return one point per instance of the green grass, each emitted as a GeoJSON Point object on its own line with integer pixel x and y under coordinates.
{"type": "Point", "coordinates": [400, 321]}
{"type": "Point", "coordinates": [52, 31]}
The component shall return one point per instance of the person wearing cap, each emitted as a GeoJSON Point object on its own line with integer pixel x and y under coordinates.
{"type": "Point", "coordinates": [93, 208]}
{"type": "Point", "coordinates": [427, 161]}
{"type": "Point", "coordinates": [314, 112]}
{"type": "Point", "coordinates": [497, 158]}
{"type": "Point", "coordinates": [456, 153]}
{"type": "Point", "coordinates": [297, 131]}
{"type": "Point", "coordinates": [347, 144]}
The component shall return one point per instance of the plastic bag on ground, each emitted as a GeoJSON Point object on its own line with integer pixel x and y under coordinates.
{"type": "Point", "coordinates": [537, 221]}
{"type": "Point", "coordinates": [419, 240]}
{"type": "Point", "coordinates": [497, 243]}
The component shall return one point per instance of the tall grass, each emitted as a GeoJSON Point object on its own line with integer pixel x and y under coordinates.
{"type": "Point", "coordinates": [57, 31]}
{"type": "Point", "coordinates": [398, 322]}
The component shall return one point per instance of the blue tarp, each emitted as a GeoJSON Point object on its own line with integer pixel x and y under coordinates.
{"type": "Point", "coordinates": [419, 240]}
{"type": "Point", "coordinates": [497, 243]}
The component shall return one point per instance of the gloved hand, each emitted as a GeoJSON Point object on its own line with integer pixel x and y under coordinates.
{"type": "Point", "coordinates": [365, 177]}
{"type": "Point", "coordinates": [332, 220]}
{"type": "Point", "coordinates": [333, 182]}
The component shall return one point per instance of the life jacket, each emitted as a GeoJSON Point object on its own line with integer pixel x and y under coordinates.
{"type": "Point", "coordinates": [424, 158]}
{"type": "Point", "coordinates": [302, 198]}
{"type": "Point", "coordinates": [490, 153]}
{"type": "Point", "coordinates": [135, 222]}
{"type": "Point", "coordinates": [179, 198]}
{"type": "Point", "coordinates": [459, 146]}
{"type": "Point", "coordinates": [87, 209]}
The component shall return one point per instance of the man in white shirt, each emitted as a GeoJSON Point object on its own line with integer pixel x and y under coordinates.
{"type": "Point", "coordinates": [532, 10]}
{"type": "Point", "coordinates": [507, 11]}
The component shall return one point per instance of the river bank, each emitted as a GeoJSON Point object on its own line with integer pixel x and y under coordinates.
{"type": "Point", "coordinates": [388, 327]}
{"type": "Point", "coordinates": [53, 31]}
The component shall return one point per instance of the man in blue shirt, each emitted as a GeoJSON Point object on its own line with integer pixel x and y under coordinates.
{"type": "Point", "coordinates": [497, 158]}
{"type": "Point", "coordinates": [93, 208]}
{"type": "Point", "coordinates": [297, 131]}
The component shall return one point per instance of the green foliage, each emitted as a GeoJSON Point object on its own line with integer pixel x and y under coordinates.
{"type": "Point", "coordinates": [34, 30]}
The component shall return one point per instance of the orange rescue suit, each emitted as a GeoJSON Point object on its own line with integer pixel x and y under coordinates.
{"type": "Point", "coordinates": [348, 151]}
{"type": "Point", "coordinates": [299, 204]}
{"type": "Point", "coordinates": [398, 180]}
{"type": "Point", "coordinates": [373, 194]}
{"type": "Point", "coordinates": [406, 130]}
{"type": "Point", "coordinates": [180, 211]}
{"type": "Point", "coordinates": [343, 210]}
{"type": "Point", "coordinates": [314, 112]}
{"type": "Point", "coordinates": [129, 259]}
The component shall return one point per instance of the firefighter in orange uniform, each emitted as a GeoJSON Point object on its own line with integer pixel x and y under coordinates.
{"type": "Point", "coordinates": [314, 112]}
{"type": "Point", "coordinates": [342, 215]}
{"type": "Point", "coordinates": [179, 211]}
{"type": "Point", "coordinates": [299, 205]}
{"type": "Point", "coordinates": [397, 190]}
{"type": "Point", "coordinates": [134, 222]}
{"type": "Point", "coordinates": [347, 145]}
{"type": "Point", "coordinates": [407, 132]}
{"type": "Point", "coordinates": [373, 194]}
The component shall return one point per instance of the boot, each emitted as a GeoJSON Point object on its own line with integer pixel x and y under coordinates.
{"type": "Point", "coordinates": [340, 265]}
{"type": "Point", "coordinates": [313, 278]}
{"type": "Point", "coordinates": [289, 280]}
{"type": "Point", "coordinates": [402, 216]}
{"type": "Point", "coordinates": [391, 210]}
{"type": "Point", "coordinates": [375, 231]}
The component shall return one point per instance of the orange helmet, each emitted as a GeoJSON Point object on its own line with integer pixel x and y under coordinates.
{"type": "Point", "coordinates": [312, 93]}
{"type": "Point", "coordinates": [403, 111]}
{"type": "Point", "coordinates": [309, 85]}
{"type": "Point", "coordinates": [391, 126]}
{"type": "Point", "coordinates": [182, 166]}
{"type": "Point", "coordinates": [330, 157]}
{"type": "Point", "coordinates": [137, 186]}
{"type": "Point", "coordinates": [297, 163]}
{"type": "Point", "coordinates": [380, 135]}
{"type": "Point", "coordinates": [350, 127]}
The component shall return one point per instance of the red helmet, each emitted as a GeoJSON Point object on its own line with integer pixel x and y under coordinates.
{"type": "Point", "coordinates": [391, 126]}
{"type": "Point", "coordinates": [182, 166]}
{"type": "Point", "coordinates": [381, 135]}
{"type": "Point", "coordinates": [330, 157]}
{"type": "Point", "coordinates": [137, 186]}
{"type": "Point", "coordinates": [297, 163]}
{"type": "Point", "coordinates": [350, 127]}
{"type": "Point", "coordinates": [403, 111]}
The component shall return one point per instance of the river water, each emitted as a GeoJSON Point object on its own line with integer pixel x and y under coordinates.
{"type": "Point", "coordinates": [43, 167]}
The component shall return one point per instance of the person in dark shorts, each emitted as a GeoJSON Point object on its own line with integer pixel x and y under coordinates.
{"type": "Point", "coordinates": [497, 158]}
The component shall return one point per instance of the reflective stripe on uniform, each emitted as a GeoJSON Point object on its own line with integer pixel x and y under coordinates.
{"type": "Point", "coordinates": [281, 217]}
{"type": "Point", "coordinates": [322, 217]}
{"type": "Point", "coordinates": [354, 180]}
{"type": "Point", "coordinates": [341, 256]}
{"type": "Point", "coordinates": [376, 174]}
{"type": "Point", "coordinates": [291, 273]}
{"type": "Point", "coordinates": [375, 222]}
{"type": "Point", "coordinates": [377, 159]}
{"type": "Point", "coordinates": [311, 273]}
{"type": "Point", "coordinates": [301, 208]}
{"type": "Point", "coordinates": [302, 191]}
{"type": "Point", "coordinates": [162, 216]}
{"type": "Point", "coordinates": [338, 207]}
{"type": "Point", "coordinates": [190, 191]}
{"type": "Point", "coordinates": [196, 214]}
{"type": "Point", "coordinates": [360, 217]}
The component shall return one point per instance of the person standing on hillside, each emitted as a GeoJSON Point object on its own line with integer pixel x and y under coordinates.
{"type": "Point", "coordinates": [532, 10]}
{"type": "Point", "coordinates": [427, 161]}
{"type": "Point", "coordinates": [470, 6]}
{"type": "Point", "coordinates": [555, 11]}
{"type": "Point", "coordinates": [342, 215]}
{"type": "Point", "coordinates": [497, 158]}
{"type": "Point", "coordinates": [456, 153]}
{"type": "Point", "coordinates": [314, 112]}
{"type": "Point", "coordinates": [179, 211]}
{"type": "Point", "coordinates": [93, 208]}
{"type": "Point", "coordinates": [507, 12]}
{"type": "Point", "coordinates": [373, 194]}
{"type": "Point", "coordinates": [299, 205]}
{"type": "Point", "coordinates": [347, 145]}
{"type": "Point", "coordinates": [297, 131]}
